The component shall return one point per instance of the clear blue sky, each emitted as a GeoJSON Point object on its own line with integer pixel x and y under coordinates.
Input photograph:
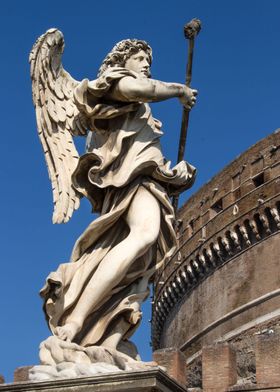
{"type": "Point", "coordinates": [237, 73]}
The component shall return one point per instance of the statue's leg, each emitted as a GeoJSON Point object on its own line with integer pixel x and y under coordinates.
{"type": "Point", "coordinates": [115, 334]}
{"type": "Point", "coordinates": [119, 327]}
{"type": "Point", "coordinates": [143, 219]}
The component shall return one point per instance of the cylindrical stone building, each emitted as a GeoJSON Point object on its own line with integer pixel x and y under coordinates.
{"type": "Point", "coordinates": [223, 284]}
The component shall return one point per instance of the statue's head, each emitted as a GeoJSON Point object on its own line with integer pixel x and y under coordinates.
{"type": "Point", "coordinates": [129, 53]}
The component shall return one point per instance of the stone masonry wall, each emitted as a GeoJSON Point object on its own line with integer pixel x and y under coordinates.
{"type": "Point", "coordinates": [224, 280]}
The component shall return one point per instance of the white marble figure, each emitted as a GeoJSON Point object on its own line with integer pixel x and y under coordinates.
{"type": "Point", "coordinates": [94, 300]}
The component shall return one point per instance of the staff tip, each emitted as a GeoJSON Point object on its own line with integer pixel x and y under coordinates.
{"type": "Point", "coordinates": [192, 28]}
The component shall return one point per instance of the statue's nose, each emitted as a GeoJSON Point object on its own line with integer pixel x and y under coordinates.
{"type": "Point", "coordinates": [146, 63]}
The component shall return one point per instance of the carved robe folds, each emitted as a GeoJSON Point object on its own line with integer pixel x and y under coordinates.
{"type": "Point", "coordinates": [123, 154]}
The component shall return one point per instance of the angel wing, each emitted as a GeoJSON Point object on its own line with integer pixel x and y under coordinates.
{"type": "Point", "coordinates": [57, 119]}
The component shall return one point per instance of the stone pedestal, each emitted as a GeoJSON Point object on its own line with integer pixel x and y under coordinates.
{"type": "Point", "coordinates": [141, 381]}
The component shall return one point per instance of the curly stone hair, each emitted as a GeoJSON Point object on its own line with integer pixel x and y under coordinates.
{"type": "Point", "coordinates": [122, 51]}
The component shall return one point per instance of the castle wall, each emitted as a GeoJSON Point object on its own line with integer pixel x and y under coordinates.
{"type": "Point", "coordinates": [226, 302]}
{"type": "Point", "coordinates": [224, 280]}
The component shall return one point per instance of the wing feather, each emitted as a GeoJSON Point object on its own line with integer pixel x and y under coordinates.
{"type": "Point", "coordinates": [57, 119]}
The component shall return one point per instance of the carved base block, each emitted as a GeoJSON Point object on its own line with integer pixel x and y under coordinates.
{"type": "Point", "coordinates": [141, 381]}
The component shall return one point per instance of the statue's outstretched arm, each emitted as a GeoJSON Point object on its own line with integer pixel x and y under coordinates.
{"type": "Point", "coordinates": [57, 119]}
{"type": "Point", "coordinates": [151, 90]}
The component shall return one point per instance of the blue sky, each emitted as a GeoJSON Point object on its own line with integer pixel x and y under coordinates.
{"type": "Point", "coordinates": [236, 70]}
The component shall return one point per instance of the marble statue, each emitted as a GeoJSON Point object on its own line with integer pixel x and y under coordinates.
{"type": "Point", "coordinates": [92, 304]}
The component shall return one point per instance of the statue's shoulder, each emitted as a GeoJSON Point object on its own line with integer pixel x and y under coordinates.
{"type": "Point", "coordinates": [102, 84]}
{"type": "Point", "coordinates": [117, 72]}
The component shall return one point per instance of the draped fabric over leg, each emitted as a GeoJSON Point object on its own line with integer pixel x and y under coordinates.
{"type": "Point", "coordinates": [64, 287]}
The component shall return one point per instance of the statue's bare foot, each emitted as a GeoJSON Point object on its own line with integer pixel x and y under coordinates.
{"type": "Point", "coordinates": [68, 331]}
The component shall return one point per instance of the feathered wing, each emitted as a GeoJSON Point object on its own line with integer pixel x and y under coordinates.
{"type": "Point", "coordinates": [57, 119]}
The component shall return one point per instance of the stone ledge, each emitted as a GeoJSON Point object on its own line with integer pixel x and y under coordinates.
{"type": "Point", "coordinates": [142, 381]}
{"type": "Point", "coordinates": [255, 388]}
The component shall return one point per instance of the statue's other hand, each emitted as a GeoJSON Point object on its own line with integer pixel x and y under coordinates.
{"type": "Point", "coordinates": [188, 97]}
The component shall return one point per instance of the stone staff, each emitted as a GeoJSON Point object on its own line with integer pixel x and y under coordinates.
{"type": "Point", "coordinates": [191, 30]}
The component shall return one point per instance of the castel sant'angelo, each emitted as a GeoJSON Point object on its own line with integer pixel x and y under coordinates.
{"type": "Point", "coordinates": [218, 300]}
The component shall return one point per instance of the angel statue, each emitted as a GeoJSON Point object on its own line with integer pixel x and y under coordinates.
{"type": "Point", "coordinates": [92, 304]}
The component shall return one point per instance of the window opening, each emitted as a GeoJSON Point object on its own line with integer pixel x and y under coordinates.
{"type": "Point", "coordinates": [218, 206]}
{"type": "Point", "coordinates": [258, 180]}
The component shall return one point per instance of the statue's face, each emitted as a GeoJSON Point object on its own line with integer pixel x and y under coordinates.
{"type": "Point", "coordinates": [139, 62]}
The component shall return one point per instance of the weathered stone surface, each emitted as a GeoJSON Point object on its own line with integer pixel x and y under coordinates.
{"type": "Point", "coordinates": [194, 373]}
{"type": "Point", "coordinates": [22, 373]}
{"type": "Point", "coordinates": [143, 381]}
{"type": "Point", "coordinates": [174, 362]}
{"type": "Point", "coordinates": [268, 357]}
{"type": "Point", "coordinates": [252, 387]}
{"type": "Point", "coordinates": [195, 390]}
{"type": "Point", "coordinates": [218, 367]}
